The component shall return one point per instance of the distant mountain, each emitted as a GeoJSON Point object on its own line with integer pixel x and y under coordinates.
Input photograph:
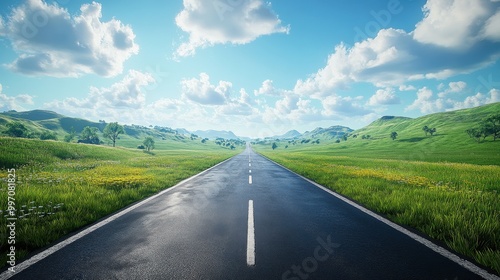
{"type": "Point", "coordinates": [213, 134]}
{"type": "Point", "coordinates": [333, 132]}
{"type": "Point", "coordinates": [183, 131]}
{"type": "Point", "coordinates": [35, 115]}
{"type": "Point", "coordinates": [289, 135]}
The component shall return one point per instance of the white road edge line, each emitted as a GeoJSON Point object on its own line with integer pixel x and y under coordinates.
{"type": "Point", "coordinates": [436, 248]}
{"type": "Point", "coordinates": [49, 251]}
{"type": "Point", "coordinates": [250, 236]}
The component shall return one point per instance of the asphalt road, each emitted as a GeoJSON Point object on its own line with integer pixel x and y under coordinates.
{"type": "Point", "coordinates": [201, 230]}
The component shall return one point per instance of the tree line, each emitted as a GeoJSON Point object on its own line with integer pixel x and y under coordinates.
{"type": "Point", "coordinates": [89, 135]}
{"type": "Point", "coordinates": [490, 126]}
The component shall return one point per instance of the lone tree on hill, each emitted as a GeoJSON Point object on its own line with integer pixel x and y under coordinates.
{"type": "Point", "coordinates": [274, 146]}
{"type": "Point", "coordinates": [492, 125]}
{"type": "Point", "coordinates": [89, 136]}
{"type": "Point", "coordinates": [149, 143]}
{"type": "Point", "coordinates": [429, 130]}
{"type": "Point", "coordinates": [112, 130]}
{"type": "Point", "coordinates": [394, 135]}
{"type": "Point", "coordinates": [425, 129]}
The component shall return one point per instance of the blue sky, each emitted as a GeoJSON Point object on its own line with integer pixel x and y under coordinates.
{"type": "Point", "coordinates": [254, 67]}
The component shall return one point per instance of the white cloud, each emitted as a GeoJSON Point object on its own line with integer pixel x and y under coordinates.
{"type": "Point", "coordinates": [453, 23]}
{"type": "Point", "coordinates": [477, 100]}
{"type": "Point", "coordinates": [119, 101]}
{"type": "Point", "coordinates": [341, 107]}
{"type": "Point", "coordinates": [165, 104]}
{"type": "Point", "coordinates": [491, 30]}
{"type": "Point", "coordinates": [394, 57]}
{"type": "Point", "coordinates": [203, 92]}
{"type": "Point", "coordinates": [385, 96]}
{"type": "Point", "coordinates": [453, 87]}
{"type": "Point", "coordinates": [426, 103]}
{"type": "Point", "coordinates": [291, 109]}
{"type": "Point", "coordinates": [243, 106]}
{"type": "Point", "coordinates": [52, 42]}
{"type": "Point", "coordinates": [268, 88]}
{"type": "Point", "coordinates": [407, 88]}
{"type": "Point", "coordinates": [2, 26]}
{"type": "Point", "coordinates": [17, 102]}
{"type": "Point", "coordinates": [222, 22]}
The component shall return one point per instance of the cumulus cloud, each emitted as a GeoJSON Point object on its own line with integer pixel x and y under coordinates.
{"type": "Point", "coordinates": [268, 88]}
{"type": "Point", "coordinates": [385, 96]}
{"type": "Point", "coordinates": [122, 97]}
{"type": "Point", "coordinates": [222, 22]}
{"type": "Point", "coordinates": [454, 24]}
{"type": "Point", "coordinates": [453, 87]}
{"type": "Point", "coordinates": [52, 42]}
{"type": "Point", "coordinates": [340, 106]}
{"type": "Point", "coordinates": [477, 100]}
{"type": "Point", "coordinates": [14, 102]}
{"type": "Point", "coordinates": [165, 104]}
{"type": "Point", "coordinates": [203, 92]}
{"type": "Point", "coordinates": [426, 102]}
{"type": "Point", "coordinates": [290, 109]}
{"type": "Point", "coordinates": [407, 88]}
{"type": "Point", "coordinates": [436, 49]}
{"type": "Point", "coordinates": [243, 106]}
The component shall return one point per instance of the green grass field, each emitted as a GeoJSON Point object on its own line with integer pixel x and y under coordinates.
{"type": "Point", "coordinates": [62, 187]}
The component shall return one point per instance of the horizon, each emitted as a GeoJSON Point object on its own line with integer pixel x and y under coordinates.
{"type": "Point", "coordinates": [255, 68]}
{"type": "Point", "coordinates": [243, 136]}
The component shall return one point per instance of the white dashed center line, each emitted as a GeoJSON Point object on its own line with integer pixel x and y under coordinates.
{"type": "Point", "coordinates": [250, 179]}
{"type": "Point", "coordinates": [250, 236]}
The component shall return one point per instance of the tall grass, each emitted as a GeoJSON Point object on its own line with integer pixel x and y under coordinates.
{"type": "Point", "coordinates": [455, 203]}
{"type": "Point", "coordinates": [62, 187]}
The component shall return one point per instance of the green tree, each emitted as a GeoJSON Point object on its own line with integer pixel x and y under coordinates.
{"type": "Point", "coordinates": [425, 129]}
{"type": "Point", "coordinates": [48, 135]}
{"type": "Point", "coordinates": [149, 143]}
{"type": "Point", "coordinates": [69, 137]}
{"type": "Point", "coordinates": [274, 146]}
{"type": "Point", "coordinates": [394, 135]}
{"type": "Point", "coordinates": [432, 131]}
{"type": "Point", "coordinates": [16, 129]}
{"type": "Point", "coordinates": [112, 130]}
{"type": "Point", "coordinates": [89, 135]}
{"type": "Point", "coordinates": [475, 133]}
{"type": "Point", "coordinates": [492, 125]}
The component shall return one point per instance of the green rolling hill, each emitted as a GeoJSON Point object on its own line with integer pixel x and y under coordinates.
{"type": "Point", "coordinates": [449, 142]}
{"type": "Point", "coordinates": [42, 121]}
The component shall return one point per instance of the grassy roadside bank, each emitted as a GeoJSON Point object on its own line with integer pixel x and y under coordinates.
{"type": "Point", "coordinates": [455, 203]}
{"type": "Point", "coordinates": [62, 187]}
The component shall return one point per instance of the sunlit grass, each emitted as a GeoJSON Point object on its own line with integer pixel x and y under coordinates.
{"type": "Point", "coordinates": [455, 203]}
